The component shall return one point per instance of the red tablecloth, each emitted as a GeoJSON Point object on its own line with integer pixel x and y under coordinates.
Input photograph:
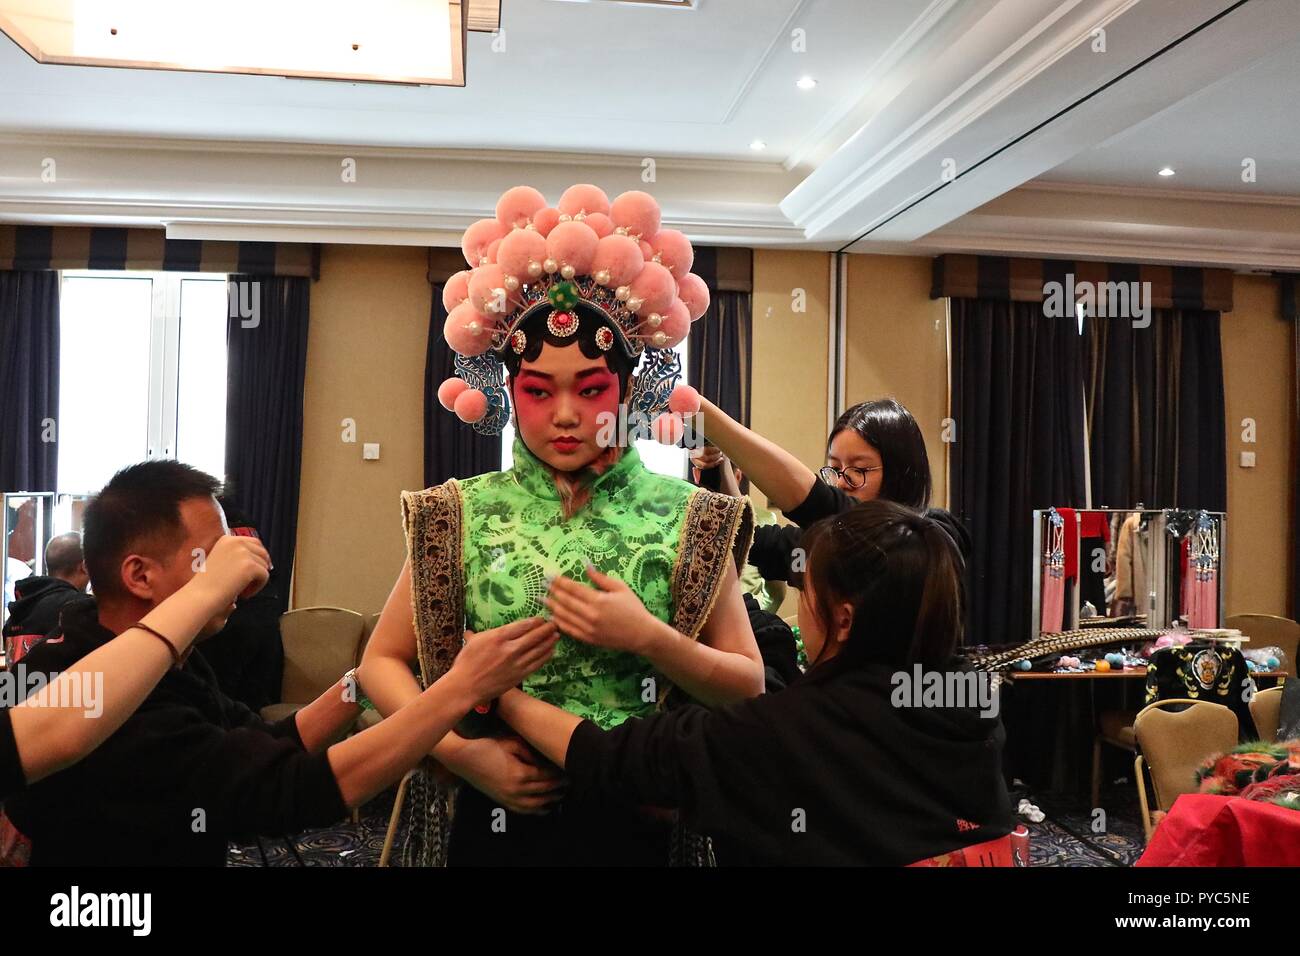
{"type": "Point", "coordinates": [1207, 830]}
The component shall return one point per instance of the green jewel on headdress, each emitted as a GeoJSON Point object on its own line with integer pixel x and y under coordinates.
{"type": "Point", "coordinates": [563, 295]}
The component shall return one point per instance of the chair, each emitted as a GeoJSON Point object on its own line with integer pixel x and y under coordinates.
{"type": "Point", "coordinates": [1266, 711]}
{"type": "Point", "coordinates": [1115, 727]}
{"type": "Point", "coordinates": [1269, 630]}
{"type": "Point", "coordinates": [320, 644]}
{"type": "Point", "coordinates": [1173, 743]}
{"type": "Point", "coordinates": [394, 819]}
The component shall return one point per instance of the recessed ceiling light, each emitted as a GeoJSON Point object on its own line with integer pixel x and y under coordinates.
{"type": "Point", "coordinates": [805, 83]}
{"type": "Point", "coordinates": [1167, 171]}
{"type": "Point", "coordinates": [758, 145]}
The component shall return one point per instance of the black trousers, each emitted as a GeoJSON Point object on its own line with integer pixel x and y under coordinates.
{"type": "Point", "coordinates": [575, 833]}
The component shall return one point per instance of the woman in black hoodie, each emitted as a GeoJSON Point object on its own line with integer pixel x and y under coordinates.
{"type": "Point", "coordinates": [841, 767]}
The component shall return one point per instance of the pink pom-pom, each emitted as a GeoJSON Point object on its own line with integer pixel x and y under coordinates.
{"type": "Point", "coordinates": [600, 224]}
{"type": "Point", "coordinates": [620, 257]}
{"type": "Point", "coordinates": [573, 244]}
{"type": "Point", "coordinates": [544, 220]}
{"type": "Point", "coordinates": [456, 290]}
{"type": "Point", "coordinates": [466, 331]}
{"type": "Point", "coordinates": [517, 206]}
{"type": "Point", "coordinates": [449, 391]}
{"type": "Point", "coordinates": [1164, 641]}
{"type": "Point", "coordinates": [647, 250]}
{"type": "Point", "coordinates": [676, 324]}
{"type": "Point", "coordinates": [674, 251]}
{"type": "Point", "coordinates": [488, 293]}
{"type": "Point", "coordinates": [584, 198]}
{"type": "Point", "coordinates": [471, 405]}
{"type": "Point", "coordinates": [637, 212]}
{"type": "Point", "coordinates": [655, 287]}
{"type": "Point", "coordinates": [478, 237]}
{"type": "Point", "coordinates": [684, 400]}
{"type": "Point", "coordinates": [490, 253]}
{"type": "Point", "coordinates": [695, 293]}
{"type": "Point", "coordinates": [517, 250]}
{"type": "Point", "coordinates": [668, 429]}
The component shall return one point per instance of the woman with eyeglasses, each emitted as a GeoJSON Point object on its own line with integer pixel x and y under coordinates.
{"type": "Point", "coordinates": [875, 451]}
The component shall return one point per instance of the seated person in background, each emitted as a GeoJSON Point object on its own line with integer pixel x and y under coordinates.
{"type": "Point", "coordinates": [38, 599]}
{"type": "Point", "coordinates": [832, 770]}
{"type": "Point", "coordinates": [192, 769]}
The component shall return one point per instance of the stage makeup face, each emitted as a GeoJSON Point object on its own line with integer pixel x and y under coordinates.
{"type": "Point", "coordinates": [560, 401]}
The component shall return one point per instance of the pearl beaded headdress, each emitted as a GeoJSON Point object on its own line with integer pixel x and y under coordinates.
{"type": "Point", "coordinates": [611, 257]}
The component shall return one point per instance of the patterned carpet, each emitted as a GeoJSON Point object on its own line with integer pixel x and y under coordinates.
{"type": "Point", "coordinates": [1051, 842]}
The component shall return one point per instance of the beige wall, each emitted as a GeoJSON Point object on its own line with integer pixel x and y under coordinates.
{"type": "Point", "coordinates": [897, 347]}
{"type": "Point", "coordinates": [365, 361]}
{"type": "Point", "coordinates": [1258, 381]}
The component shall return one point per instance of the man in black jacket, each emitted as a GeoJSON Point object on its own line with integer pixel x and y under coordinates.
{"type": "Point", "coordinates": [34, 612]}
{"type": "Point", "coordinates": [192, 769]}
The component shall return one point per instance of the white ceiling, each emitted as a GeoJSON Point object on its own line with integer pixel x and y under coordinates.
{"type": "Point", "coordinates": [657, 81]}
{"type": "Point", "coordinates": [1204, 138]}
{"type": "Point", "coordinates": [1008, 95]}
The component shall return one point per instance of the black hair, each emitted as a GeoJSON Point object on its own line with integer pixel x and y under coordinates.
{"type": "Point", "coordinates": [589, 320]}
{"type": "Point", "coordinates": [139, 509]}
{"type": "Point", "coordinates": [889, 427]}
{"type": "Point", "coordinates": [900, 572]}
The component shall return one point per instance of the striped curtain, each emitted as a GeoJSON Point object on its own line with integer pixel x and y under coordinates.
{"type": "Point", "coordinates": [721, 344]}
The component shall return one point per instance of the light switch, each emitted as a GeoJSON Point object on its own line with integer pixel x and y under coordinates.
{"type": "Point", "coordinates": [1247, 459]}
{"type": "Point", "coordinates": [370, 451]}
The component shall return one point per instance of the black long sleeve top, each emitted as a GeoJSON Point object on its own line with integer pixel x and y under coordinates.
{"type": "Point", "coordinates": [188, 772]}
{"type": "Point", "coordinates": [775, 545]}
{"type": "Point", "coordinates": [828, 771]}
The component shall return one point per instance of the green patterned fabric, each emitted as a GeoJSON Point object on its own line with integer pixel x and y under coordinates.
{"type": "Point", "coordinates": [515, 536]}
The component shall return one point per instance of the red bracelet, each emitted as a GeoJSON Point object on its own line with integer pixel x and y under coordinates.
{"type": "Point", "coordinates": [176, 657]}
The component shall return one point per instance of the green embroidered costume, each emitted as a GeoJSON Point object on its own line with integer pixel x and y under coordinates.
{"type": "Point", "coordinates": [481, 550]}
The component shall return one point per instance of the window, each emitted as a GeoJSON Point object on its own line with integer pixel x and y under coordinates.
{"type": "Point", "coordinates": [663, 459]}
{"type": "Point", "coordinates": [142, 373]}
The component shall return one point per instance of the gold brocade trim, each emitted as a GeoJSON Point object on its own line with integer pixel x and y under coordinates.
{"type": "Point", "coordinates": [432, 522]}
{"type": "Point", "coordinates": [716, 526]}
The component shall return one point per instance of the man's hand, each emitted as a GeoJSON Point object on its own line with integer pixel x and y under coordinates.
{"type": "Point", "coordinates": [493, 661]}
{"type": "Point", "coordinates": [509, 772]}
{"type": "Point", "coordinates": [236, 568]}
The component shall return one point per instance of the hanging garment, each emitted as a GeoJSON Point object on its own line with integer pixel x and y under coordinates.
{"type": "Point", "coordinates": [1052, 599]}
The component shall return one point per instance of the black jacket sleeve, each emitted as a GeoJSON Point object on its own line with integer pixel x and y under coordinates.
{"type": "Point", "coordinates": [246, 781]}
{"type": "Point", "coordinates": [714, 765]}
{"type": "Point", "coordinates": [772, 551]}
{"type": "Point", "coordinates": [11, 768]}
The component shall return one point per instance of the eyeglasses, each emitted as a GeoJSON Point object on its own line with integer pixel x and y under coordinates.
{"type": "Point", "coordinates": [853, 477]}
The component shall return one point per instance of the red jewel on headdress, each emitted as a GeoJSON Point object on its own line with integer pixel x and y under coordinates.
{"type": "Point", "coordinates": [562, 319]}
{"type": "Point", "coordinates": [562, 324]}
{"type": "Point", "coordinates": [519, 341]}
{"type": "Point", "coordinates": [604, 338]}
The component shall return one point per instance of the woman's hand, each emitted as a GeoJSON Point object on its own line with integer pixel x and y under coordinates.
{"type": "Point", "coordinates": [611, 616]}
{"type": "Point", "coordinates": [710, 456]}
{"type": "Point", "coordinates": [493, 661]}
{"type": "Point", "coordinates": [509, 772]}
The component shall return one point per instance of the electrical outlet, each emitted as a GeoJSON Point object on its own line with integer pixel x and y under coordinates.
{"type": "Point", "coordinates": [370, 451]}
{"type": "Point", "coordinates": [1247, 459]}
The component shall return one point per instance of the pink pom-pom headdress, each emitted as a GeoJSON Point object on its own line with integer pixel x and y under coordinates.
{"type": "Point", "coordinates": [611, 257]}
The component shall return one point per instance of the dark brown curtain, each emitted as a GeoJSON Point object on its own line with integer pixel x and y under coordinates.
{"type": "Point", "coordinates": [451, 448]}
{"type": "Point", "coordinates": [1156, 411]}
{"type": "Point", "coordinates": [266, 371]}
{"type": "Point", "coordinates": [1017, 403]}
{"type": "Point", "coordinates": [29, 380]}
